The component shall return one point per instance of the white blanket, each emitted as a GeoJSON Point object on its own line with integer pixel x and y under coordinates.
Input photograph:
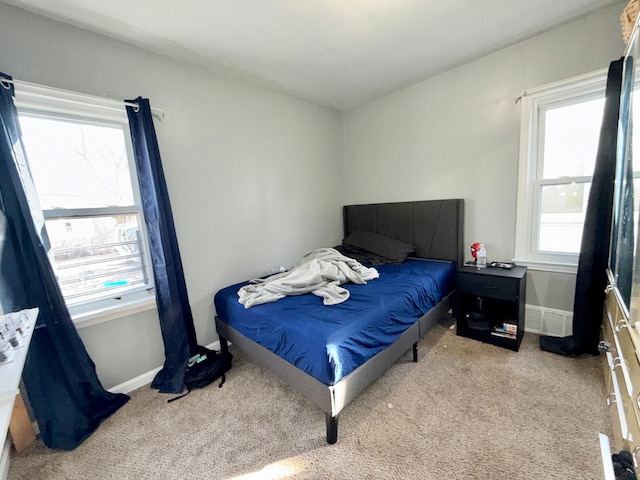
{"type": "Point", "coordinates": [320, 272]}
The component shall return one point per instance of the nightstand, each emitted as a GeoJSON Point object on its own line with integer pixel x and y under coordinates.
{"type": "Point", "coordinates": [490, 305]}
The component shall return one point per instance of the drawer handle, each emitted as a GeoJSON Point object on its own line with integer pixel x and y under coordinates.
{"type": "Point", "coordinates": [487, 287]}
{"type": "Point", "coordinates": [617, 362]}
{"type": "Point", "coordinates": [608, 289]}
{"type": "Point", "coordinates": [622, 323]}
{"type": "Point", "coordinates": [611, 399]}
{"type": "Point", "coordinates": [634, 455]}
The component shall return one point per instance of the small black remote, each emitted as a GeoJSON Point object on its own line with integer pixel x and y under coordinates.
{"type": "Point", "coordinates": [505, 265]}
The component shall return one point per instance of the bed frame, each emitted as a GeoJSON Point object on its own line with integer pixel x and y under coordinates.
{"type": "Point", "coordinates": [435, 227]}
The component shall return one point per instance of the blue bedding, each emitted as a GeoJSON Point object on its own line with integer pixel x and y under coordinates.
{"type": "Point", "coordinates": [329, 342]}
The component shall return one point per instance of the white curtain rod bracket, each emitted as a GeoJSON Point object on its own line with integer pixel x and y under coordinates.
{"type": "Point", "coordinates": [134, 105]}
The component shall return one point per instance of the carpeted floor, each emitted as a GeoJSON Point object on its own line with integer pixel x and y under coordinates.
{"type": "Point", "coordinates": [466, 410]}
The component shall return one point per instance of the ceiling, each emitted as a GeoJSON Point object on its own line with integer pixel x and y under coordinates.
{"type": "Point", "coordinates": [340, 53]}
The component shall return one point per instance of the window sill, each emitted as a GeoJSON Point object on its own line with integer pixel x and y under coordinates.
{"type": "Point", "coordinates": [548, 267]}
{"type": "Point", "coordinates": [88, 319]}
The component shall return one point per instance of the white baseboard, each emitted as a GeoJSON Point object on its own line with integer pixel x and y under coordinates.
{"type": "Point", "coordinates": [147, 378]}
{"type": "Point", "coordinates": [548, 321]}
{"type": "Point", "coordinates": [135, 383]}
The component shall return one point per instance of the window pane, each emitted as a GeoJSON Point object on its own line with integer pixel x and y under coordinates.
{"type": "Point", "coordinates": [75, 164]}
{"type": "Point", "coordinates": [571, 135]}
{"type": "Point", "coordinates": [562, 209]}
{"type": "Point", "coordinates": [96, 257]}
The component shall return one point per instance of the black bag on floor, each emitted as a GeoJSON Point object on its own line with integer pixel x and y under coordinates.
{"type": "Point", "coordinates": [204, 368]}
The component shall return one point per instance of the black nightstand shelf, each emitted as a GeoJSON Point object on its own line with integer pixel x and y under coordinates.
{"type": "Point", "coordinates": [490, 300]}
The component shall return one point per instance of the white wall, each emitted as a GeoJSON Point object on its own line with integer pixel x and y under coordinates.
{"type": "Point", "coordinates": [254, 176]}
{"type": "Point", "coordinates": [457, 135]}
{"type": "Point", "coordinates": [258, 178]}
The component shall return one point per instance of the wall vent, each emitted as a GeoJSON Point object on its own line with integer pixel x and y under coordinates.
{"type": "Point", "coordinates": [548, 321]}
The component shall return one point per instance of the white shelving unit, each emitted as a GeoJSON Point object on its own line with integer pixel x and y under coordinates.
{"type": "Point", "coordinates": [10, 374]}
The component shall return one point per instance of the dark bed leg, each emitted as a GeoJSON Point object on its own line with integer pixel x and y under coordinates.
{"type": "Point", "coordinates": [415, 352]}
{"type": "Point", "coordinates": [224, 344]}
{"type": "Point", "coordinates": [332, 429]}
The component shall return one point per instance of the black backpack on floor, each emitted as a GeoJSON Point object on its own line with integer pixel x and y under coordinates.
{"type": "Point", "coordinates": [204, 368]}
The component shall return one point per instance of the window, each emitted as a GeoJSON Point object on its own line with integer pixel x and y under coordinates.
{"type": "Point", "coordinates": [81, 160]}
{"type": "Point", "coordinates": [558, 145]}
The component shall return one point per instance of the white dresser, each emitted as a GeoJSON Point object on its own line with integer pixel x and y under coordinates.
{"type": "Point", "coordinates": [620, 351]}
{"type": "Point", "coordinates": [620, 345]}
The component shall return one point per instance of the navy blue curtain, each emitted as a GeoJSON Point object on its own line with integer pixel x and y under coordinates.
{"type": "Point", "coordinates": [176, 320]}
{"type": "Point", "coordinates": [591, 278]}
{"type": "Point", "coordinates": [67, 398]}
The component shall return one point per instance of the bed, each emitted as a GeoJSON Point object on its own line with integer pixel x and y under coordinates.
{"type": "Point", "coordinates": [332, 353]}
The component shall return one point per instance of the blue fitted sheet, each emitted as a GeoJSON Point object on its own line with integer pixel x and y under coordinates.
{"type": "Point", "coordinates": [329, 342]}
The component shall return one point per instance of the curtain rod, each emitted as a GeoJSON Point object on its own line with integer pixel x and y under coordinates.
{"type": "Point", "coordinates": [6, 84]}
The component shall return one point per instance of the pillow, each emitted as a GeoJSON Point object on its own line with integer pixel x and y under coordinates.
{"type": "Point", "coordinates": [377, 248]}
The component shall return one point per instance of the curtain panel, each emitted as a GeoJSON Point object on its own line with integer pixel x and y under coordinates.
{"type": "Point", "coordinates": [591, 278]}
{"type": "Point", "coordinates": [62, 386]}
{"type": "Point", "coordinates": [176, 320]}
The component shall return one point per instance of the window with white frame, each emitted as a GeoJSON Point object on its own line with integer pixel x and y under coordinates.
{"type": "Point", "coordinates": [81, 160]}
{"type": "Point", "coordinates": [559, 138]}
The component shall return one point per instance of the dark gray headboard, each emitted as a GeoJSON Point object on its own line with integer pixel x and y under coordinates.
{"type": "Point", "coordinates": [435, 227]}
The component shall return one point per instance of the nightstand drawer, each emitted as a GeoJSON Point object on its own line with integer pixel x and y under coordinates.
{"type": "Point", "coordinates": [501, 288]}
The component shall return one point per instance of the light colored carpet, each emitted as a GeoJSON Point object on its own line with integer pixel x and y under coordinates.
{"type": "Point", "coordinates": [466, 410]}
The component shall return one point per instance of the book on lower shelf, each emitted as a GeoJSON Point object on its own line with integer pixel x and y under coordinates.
{"type": "Point", "coordinates": [505, 330]}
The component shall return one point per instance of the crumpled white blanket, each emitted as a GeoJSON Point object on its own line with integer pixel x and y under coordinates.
{"type": "Point", "coordinates": [320, 272]}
